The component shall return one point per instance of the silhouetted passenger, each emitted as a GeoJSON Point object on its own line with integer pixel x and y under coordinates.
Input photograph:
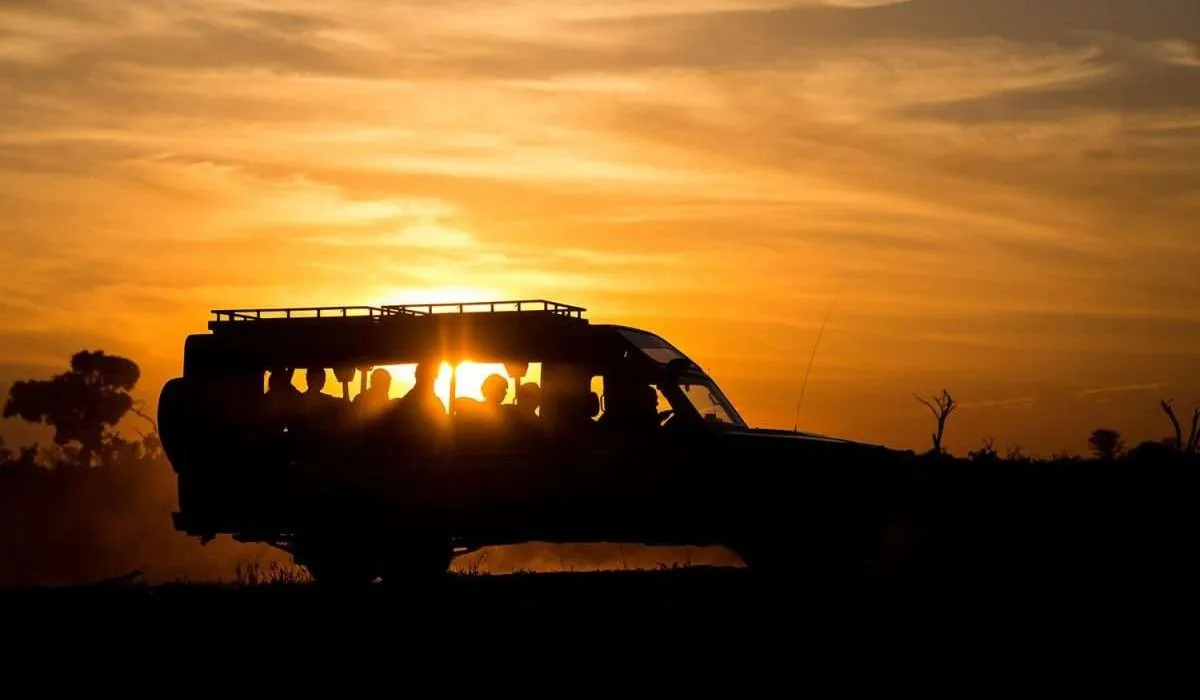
{"type": "Point", "coordinates": [321, 416]}
{"type": "Point", "coordinates": [421, 405]}
{"type": "Point", "coordinates": [320, 406]}
{"type": "Point", "coordinates": [630, 407]}
{"type": "Point", "coordinates": [374, 401]}
{"type": "Point", "coordinates": [521, 416]}
{"type": "Point", "coordinates": [529, 399]}
{"type": "Point", "coordinates": [282, 399]}
{"type": "Point", "coordinates": [314, 396]}
{"type": "Point", "coordinates": [494, 389]}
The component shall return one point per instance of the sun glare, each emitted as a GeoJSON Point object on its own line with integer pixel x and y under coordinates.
{"type": "Point", "coordinates": [470, 375]}
{"type": "Point", "coordinates": [468, 382]}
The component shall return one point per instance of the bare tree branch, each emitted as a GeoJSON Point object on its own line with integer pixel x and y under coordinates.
{"type": "Point", "coordinates": [1194, 439]}
{"type": "Point", "coordinates": [941, 407]}
{"type": "Point", "coordinates": [1170, 411]}
{"type": "Point", "coordinates": [927, 405]}
{"type": "Point", "coordinates": [137, 410]}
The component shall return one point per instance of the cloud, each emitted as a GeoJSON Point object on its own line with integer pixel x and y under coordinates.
{"type": "Point", "coordinates": [1126, 77]}
{"type": "Point", "coordinates": [1121, 389]}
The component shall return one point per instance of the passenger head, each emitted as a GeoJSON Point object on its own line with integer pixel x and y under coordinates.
{"type": "Point", "coordinates": [315, 377]}
{"type": "Point", "coordinates": [591, 404]}
{"type": "Point", "coordinates": [381, 380]}
{"type": "Point", "coordinates": [494, 389]}
{"type": "Point", "coordinates": [647, 399]}
{"type": "Point", "coordinates": [529, 396]}
{"type": "Point", "coordinates": [280, 379]}
{"type": "Point", "coordinates": [426, 372]}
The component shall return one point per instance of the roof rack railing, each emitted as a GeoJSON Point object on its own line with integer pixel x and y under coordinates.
{"type": "Point", "coordinates": [240, 315]}
{"type": "Point", "coordinates": [516, 305]}
{"type": "Point", "coordinates": [539, 306]}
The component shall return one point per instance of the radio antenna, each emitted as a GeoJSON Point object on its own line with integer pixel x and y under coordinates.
{"type": "Point", "coordinates": [804, 386]}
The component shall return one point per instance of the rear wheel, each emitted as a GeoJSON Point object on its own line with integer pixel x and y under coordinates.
{"type": "Point", "coordinates": [338, 565]}
{"type": "Point", "coordinates": [341, 575]}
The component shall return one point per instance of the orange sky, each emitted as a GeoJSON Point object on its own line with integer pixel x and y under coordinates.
{"type": "Point", "coordinates": [1004, 192]}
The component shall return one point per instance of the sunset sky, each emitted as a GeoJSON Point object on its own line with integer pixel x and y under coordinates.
{"type": "Point", "coordinates": [1003, 195]}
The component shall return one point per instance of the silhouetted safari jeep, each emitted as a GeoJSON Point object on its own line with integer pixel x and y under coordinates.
{"type": "Point", "coordinates": [626, 439]}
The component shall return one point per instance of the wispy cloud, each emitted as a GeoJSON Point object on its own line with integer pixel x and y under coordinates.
{"type": "Point", "coordinates": [1018, 402]}
{"type": "Point", "coordinates": [1121, 389]}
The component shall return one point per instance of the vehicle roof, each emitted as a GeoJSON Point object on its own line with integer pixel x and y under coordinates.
{"type": "Point", "coordinates": [520, 330]}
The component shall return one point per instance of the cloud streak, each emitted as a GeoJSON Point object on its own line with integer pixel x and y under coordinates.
{"type": "Point", "coordinates": [1122, 389]}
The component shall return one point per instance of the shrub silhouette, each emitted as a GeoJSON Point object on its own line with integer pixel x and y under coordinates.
{"type": "Point", "coordinates": [1106, 443]}
{"type": "Point", "coordinates": [81, 404]}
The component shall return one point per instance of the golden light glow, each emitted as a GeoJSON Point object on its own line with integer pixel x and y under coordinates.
{"type": "Point", "coordinates": [469, 380]}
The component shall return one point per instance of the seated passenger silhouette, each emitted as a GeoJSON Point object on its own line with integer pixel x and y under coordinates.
{"type": "Point", "coordinates": [529, 399]}
{"type": "Point", "coordinates": [421, 405]}
{"type": "Point", "coordinates": [630, 407]}
{"type": "Point", "coordinates": [521, 416]}
{"type": "Point", "coordinates": [494, 389]}
{"type": "Point", "coordinates": [479, 422]}
{"type": "Point", "coordinates": [282, 400]}
{"type": "Point", "coordinates": [374, 401]}
{"type": "Point", "coordinates": [314, 396]}
{"type": "Point", "coordinates": [322, 414]}
{"type": "Point", "coordinates": [316, 402]}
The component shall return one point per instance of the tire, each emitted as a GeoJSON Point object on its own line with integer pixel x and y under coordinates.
{"type": "Point", "coordinates": [338, 567]}
{"type": "Point", "coordinates": [341, 576]}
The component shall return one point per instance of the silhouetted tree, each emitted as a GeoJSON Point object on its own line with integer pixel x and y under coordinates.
{"type": "Point", "coordinates": [81, 404]}
{"type": "Point", "coordinates": [1106, 443]}
{"type": "Point", "coordinates": [986, 453]}
{"type": "Point", "coordinates": [941, 407]}
{"type": "Point", "coordinates": [1193, 436]}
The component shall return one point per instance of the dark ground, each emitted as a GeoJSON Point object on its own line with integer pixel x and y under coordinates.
{"type": "Point", "coordinates": [723, 603]}
{"type": "Point", "coordinates": [616, 632]}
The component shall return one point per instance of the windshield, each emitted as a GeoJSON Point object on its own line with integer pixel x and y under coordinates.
{"type": "Point", "coordinates": [655, 347]}
{"type": "Point", "coordinates": [708, 401]}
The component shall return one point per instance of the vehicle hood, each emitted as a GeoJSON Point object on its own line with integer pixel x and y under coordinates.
{"type": "Point", "coordinates": [791, 435]}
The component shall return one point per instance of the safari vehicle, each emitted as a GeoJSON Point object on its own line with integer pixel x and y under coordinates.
{"type": "Point", "coordinates": [631, 441]}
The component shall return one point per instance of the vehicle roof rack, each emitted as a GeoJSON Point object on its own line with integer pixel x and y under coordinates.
{"type": "Point", "coordinates": [224, 317]}
{"type": "Point", "coordinates": [493, 307]}
{"type": "Point", "coordinates": [295, 312]}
